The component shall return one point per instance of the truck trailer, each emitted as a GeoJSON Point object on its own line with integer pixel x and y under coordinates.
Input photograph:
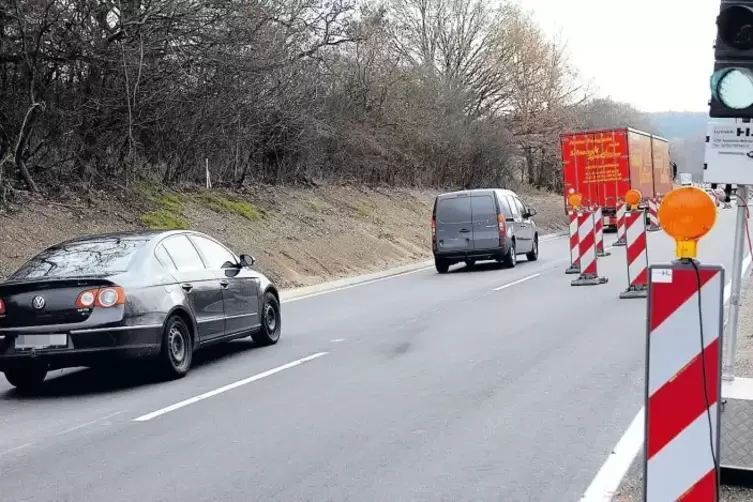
{"type": "Point", "coordinates": [602, 165]}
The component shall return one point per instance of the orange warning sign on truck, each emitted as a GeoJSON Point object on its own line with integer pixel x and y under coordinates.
{"type": "Point", "coordinates": [602, 165]}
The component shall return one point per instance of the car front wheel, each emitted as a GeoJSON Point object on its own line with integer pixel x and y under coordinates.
{"type": "Point", "coordinates": [271, 322]}
{"type": "Point", "coordinates": [26, 377]}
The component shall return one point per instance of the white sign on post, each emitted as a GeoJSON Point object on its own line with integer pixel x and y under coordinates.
{"type": "Point", "coordinates": [729, 152]}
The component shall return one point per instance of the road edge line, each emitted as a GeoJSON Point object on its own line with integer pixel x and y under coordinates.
{"type": "Point", "coordinates": [608, 479]}
{"type": "Point", "coordinates": [296, 294]}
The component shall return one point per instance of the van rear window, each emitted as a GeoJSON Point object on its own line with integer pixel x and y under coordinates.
{"type": "Point", "coordinates": [454, 210]}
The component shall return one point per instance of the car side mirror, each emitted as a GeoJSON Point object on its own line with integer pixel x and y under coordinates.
{"type": "Point", "coordinates": [247, 260]}
{"type": "Point", "coordinates": [531, 212]}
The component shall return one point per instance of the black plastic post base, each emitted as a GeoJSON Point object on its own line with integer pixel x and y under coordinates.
{"type": "Point", "coordinates": [603, 254]}
{"type": "Point", "coordinates": [620, 242]}
{"type": "Point", "coordinates": [589, 280]}
{"type": "Point", "coordinates": [573, 269]}
{"type": "Point", "coordinates": [635, 292]}
{"type": "Point", "coordinates": [652, 228]}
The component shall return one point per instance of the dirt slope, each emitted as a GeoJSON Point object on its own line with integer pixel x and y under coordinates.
{"type": "Point", "coordinates": [299, 236]}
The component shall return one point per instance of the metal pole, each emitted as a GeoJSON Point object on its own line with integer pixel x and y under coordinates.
{"type": "Point", "coordinates": [730, 335]}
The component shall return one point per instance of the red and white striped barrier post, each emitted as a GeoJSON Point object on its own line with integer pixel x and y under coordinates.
{"type": "Point", "coordinates": [589, 275]}
{"type": "Point", "coordinates": [683, 382]}
{"type": "Point", "coordinates": [574, 267]}
{"type": "Point", "coordinates": [621, 211]}
{"type": "Point", "coordinates": [637, 255]}
{"type": "Point", "coordinates": [653, 215]}
{"type": "Point", "coordinates": [599, 229]}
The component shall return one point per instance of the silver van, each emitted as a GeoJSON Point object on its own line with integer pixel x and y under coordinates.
{"type": "Point", "coordinates": [482, 224]}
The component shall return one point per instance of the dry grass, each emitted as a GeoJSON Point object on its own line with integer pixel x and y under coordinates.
{"type": "Point", "coordinates": [299, 236]}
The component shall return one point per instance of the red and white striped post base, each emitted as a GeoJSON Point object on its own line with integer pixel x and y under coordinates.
{"type": "Point", "coordinates": [653, 215]}
{"type": "Point", "coordinates": [683, 382]}
{"type": "Point", "coordinates": [637, 255]}
{"type": "Point", "coordinates": [574, 267]}
{"type": "Point", "coordinates": [599, 229]}
{"type": "Point", "coordinates": [589, 275]}
{"type": "Point", "coordinates": [621, 211]}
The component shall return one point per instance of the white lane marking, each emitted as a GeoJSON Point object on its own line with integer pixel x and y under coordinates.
{"type": "Point", "coordinates": [77, 427]}
{"type": "Point", "coordinates": [513, 283]}
{"type": "Point", "coordinates": [206, 395]}
{"type": "Point", "coordinates": [554, 237]}
{"type": "Point", "coordinates": [349, 286]}
{"type": "Point", "coordinates": [6, 452]}
{"type": "Point", "coordinates": [609, 477]}
{"type": "Point", "coordinates": [337, 340]}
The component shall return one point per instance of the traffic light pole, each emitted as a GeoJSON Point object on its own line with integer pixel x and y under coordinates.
{"type": "Point", "coordinates": [730, 335]}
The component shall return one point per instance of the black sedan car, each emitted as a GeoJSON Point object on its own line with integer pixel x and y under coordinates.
{"type": "Point", "coordinates": [157, 295]}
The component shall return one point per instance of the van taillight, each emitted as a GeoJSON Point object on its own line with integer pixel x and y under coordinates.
{"type": "Point", "coordinates": [2, 308]}
{"type": "Point", "coordinates": [433, 228]}
{"type": "Point", "coordinates": [502, 228]}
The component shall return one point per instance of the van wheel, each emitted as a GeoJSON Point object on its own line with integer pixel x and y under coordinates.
{"type": "Point", "coordinates": [442, 266]}
{"type": "Point", "coordinates": [534, 254]}
{"type": "Point", "coordinates": [511, 258]}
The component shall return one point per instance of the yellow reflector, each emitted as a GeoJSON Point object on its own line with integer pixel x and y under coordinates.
{"type": "Point", "coordinates": [633, 197]}
{"type": "Point", "coordinates": [575, 200]}
{"type": "Point", "coordinates": [687, 214]}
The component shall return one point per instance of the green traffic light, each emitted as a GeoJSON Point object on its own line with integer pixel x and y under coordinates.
{"type": "Point", "coordinates": [733, 87]}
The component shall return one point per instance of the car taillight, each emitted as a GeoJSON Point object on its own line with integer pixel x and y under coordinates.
{"type": "Point", "coordinates": [2, 308]}
{"type": "Point", "coordinates": [101, 297]}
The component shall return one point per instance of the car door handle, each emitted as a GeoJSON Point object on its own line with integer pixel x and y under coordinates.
{"type": "Point", "coordinates": [224, 283]}
{"type": "Point", "coordinates": [187, 287]}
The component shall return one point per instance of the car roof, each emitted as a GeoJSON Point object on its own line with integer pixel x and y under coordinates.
{"type": "Point", "coordinates": [131, 235]}
{"type": "Point", "coordinates": [476, 191]}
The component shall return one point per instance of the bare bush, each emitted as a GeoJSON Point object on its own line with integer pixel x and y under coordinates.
{"type": "Point", "coordinates": [452, 93]}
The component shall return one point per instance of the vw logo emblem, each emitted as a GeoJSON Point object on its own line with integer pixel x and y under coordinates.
{"type": "Point", "coordinates": [38, 302]}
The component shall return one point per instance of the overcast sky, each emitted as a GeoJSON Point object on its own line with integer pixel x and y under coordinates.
{"type": "Point", "coordinates": [626, 48]}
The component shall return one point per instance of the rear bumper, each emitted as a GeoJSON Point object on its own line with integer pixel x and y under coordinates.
{"type": "Point", "coordinates": [473, 254]}
{"type": "Point", "coordinates": [86, 347]}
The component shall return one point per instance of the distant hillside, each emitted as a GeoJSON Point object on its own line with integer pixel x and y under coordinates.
{"type": "Point", "coordinates": [686, 132]}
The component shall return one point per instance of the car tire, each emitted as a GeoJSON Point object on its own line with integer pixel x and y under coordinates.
{"type": "Point", "coordinates": [511, 258]}
{"type": "Point", "coordinates": [177, 349]}
{"type": "Point", "coordinates": [534, 254]}
{"type": "Point", "coordinates": [26, 377]}
{"type": "Point", "coordinates": [470, 263]}
{"type": "Point", "coordinates": [271, 322]}
{"type": "Point", "coordinates": [441, 265]}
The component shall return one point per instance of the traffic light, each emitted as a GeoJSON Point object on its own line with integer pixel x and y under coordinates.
{"type": "Point", "coordinates": [732, 80]}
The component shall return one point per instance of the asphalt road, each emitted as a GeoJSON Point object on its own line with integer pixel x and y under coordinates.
{"type": "Point", "coordinates": [466, 386]}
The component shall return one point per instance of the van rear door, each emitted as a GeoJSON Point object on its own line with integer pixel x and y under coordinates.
{"type": "Point", "coordinates": [454, 223]}
{"type": "Point", "coordinates": [485, 223]}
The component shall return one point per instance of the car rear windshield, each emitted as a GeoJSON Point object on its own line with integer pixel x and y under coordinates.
{"type": "Point", "coordinates": [78, 259]}
{"type": "Point", "coordinates": [454, 210]}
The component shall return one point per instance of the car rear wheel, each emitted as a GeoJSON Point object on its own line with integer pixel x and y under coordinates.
{"type": "Point", "coordinates": [271, 322]}
{"type": "Point", "coordinates": [511, 258]}
{"type": "Point", "coordinates": [177, 348]}
{"type": "Point", "coordinates": [441, 265]}
{"type": "Point", "coordinates": [534, 254]}
{"type": "Point", "coordinates": [26, 377]}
